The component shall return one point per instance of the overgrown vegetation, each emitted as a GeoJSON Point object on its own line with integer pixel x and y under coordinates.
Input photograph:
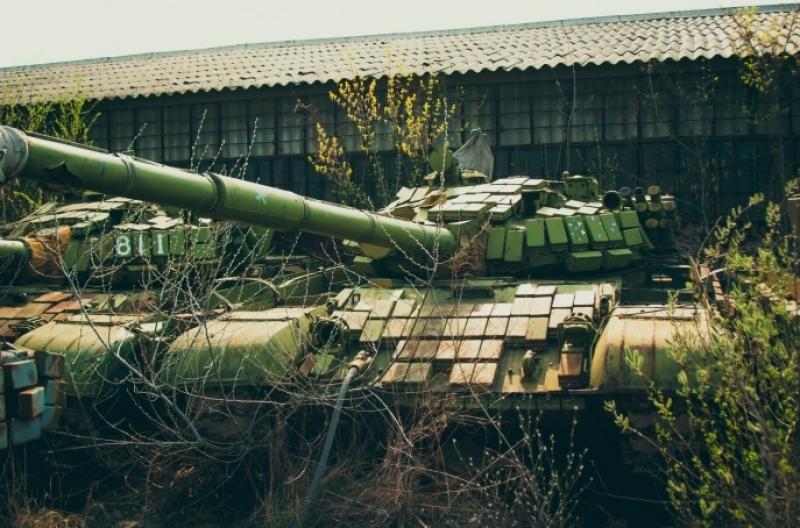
{"type": "Point", "coordinates": [728, 437]}
{"type": "Point", "coordinates": [408, 114]}
{"type": "Point", "coordinates": [70, 117]}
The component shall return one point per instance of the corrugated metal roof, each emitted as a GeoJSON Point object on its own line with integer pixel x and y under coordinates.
{"type": "Point", "coordinates": [607, 40]}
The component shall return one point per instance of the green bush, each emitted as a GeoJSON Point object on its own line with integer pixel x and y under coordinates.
{"type": "Point", "coordinates": [728, 437]}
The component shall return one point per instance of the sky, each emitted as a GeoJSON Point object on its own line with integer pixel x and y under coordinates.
{"type": "Point", "coordinates": [40, 31]}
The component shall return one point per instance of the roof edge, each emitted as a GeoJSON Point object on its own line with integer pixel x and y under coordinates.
{"type": "Point", "coordinates": [605, 19]}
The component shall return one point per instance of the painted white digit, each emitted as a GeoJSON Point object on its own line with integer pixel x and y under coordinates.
{"type": "Point", "coordinates": [123, 246]}
{"type": "Point", "coordinates": [140, 245]}
{"type": "Point", "coordinates": [160, 249]}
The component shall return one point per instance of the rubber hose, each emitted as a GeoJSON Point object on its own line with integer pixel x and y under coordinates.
{"type": "Point", "coordinates": [322, 465]}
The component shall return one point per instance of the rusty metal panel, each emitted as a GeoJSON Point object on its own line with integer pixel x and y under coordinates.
{"type": "Point", "coordinates": [53, 297]}
{"type": "Point", "coordinates": [491, 349]}
{"type": "Point", "coordinates": [482, 310]}
{"type": "Point", "coordinates": [433, 327]}
{"type": "Point", "coordinates": [563, 300]}
{"type": "Point", "coordinates": [273, 314]}
{"type": "Point", "coordinates": [426, 349]}
{"type": "Point", "coordinates": [32, 309]}
{"type": "Point", "coordinates": [411, 373]}
{"type": "Point", "coordinates": [373, 331]}
{"type": "Point", "coordinates": [584, 298]}
{"type": "Point", "coordinates": [405, 308]}
{"type": "Point", "coordinates": [586, 310]}
{"type": "Point", "coordinates": [416, 349]}
{"type": "Point", "coordinates": [382, 308]}
{"type": "Point", "coordinates": [523, 306]}
{"type": "Point", "coordinates": [463, 309]}
{"type": "Point", "coordinates": [65, 306]}
{"type": "Point", "coordinates": [517, 328]}
{"type": "Point", "coordinates": [405, 349]}
{"type": "Point", "coordinates": [501, 310]}
{"type": "Point", "coordinates": [9, 312]}
{"type": "Point", "coordinates": [537, 329]}
{"type": "Point", "coordinates": [455, 327]}
{"type": "Point", "coordinates": [545, 289]}
{"type": "Point", "coordinates": [355, 320]}
{"type": "Point", "coordinates": [449, 349]}
{"type": "Point", "coordinates": [473, 374]}
{"type": "Point", "coordinates": [526, 290]}
{"type": "Point", "coordinates": [557, 317]}
{"type": "Point", "coordinates": [395, 373]}
{"type": "Point", "coordinates": [497, 326]}
{"type": "Point", "coordinates": [442, 310]}
{"type": "Point", "coordinates": [541, 305]}
{"type": "Point", "coordinates": [397, 327]}
{"type": "Point", "coordinates": [476, 326]}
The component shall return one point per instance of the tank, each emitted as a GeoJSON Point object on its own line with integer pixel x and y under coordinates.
{"type": "Point", "coordinates": [90, 284]}
{"type": "Point", "coordinates": [513, 293]}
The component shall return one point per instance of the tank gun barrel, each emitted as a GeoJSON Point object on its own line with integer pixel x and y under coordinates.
{"type": "Point", "coordinates": [69, 165]}
{"type": "Point", "coordinates": [13, 248]}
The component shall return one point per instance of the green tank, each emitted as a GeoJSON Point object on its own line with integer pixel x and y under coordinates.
{"type": "Point", "coordinates": [512, 293]}
{"type": "Point", "coordinates": [91, 285]}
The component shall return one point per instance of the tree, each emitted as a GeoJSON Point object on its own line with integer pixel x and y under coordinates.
{"type": "Point", "coordinates": [728, 437]}
{"type": "Point", "coordinates": [410, 116]}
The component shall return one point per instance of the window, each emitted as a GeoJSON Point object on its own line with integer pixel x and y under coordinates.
{"type": "Point", "coordinates": [99, 132]}
{"type": "Point", "coordinates": [454, 119]}
{"type": "Point", "coordinates": [148, 142]}
{"type": "Point", "coordinates": [767, 117]}
{"type": "Point", "coordinates": [205, 131]}
{"type": "Point", "coordinates": [347, 133]}
{"type": "Point", "coordinates": [262, 121]}
{"type": "Point", "coordinates": [315, 184]}
{"type": "Point", "coordinates": [384, 136]}
{"type": "Point", "coordinates": [177, 135]}
{"type": "Point", "coordinates": [234, 130]}
{"type": "Point", "coordinates": [621, 109]}
{"type": "Point", "coordinates": [658, 108]}
{"type": "Point", "coordinates": [730, 106]}
{"type": "Point", "coordinates": [480, 111]}
{"type": "Point", "coordinates": [549, 113]}
{"type": "Point", "coordinates": [291, 130]}
{"type": "Point", "coordinates": [694, 95]}
{"type": "Point", "coordinates": [657, 163]}
{"type": "Point", "coordinates": [586, 121]}
{"type": "Point", "coordinates": [121, 129]}
{"type": "Point", "coordinates": [796, 109]}
{"type": "Point", "coordinates": [515, 114]}
{"type": "Point", "coordinates": [320, 110]}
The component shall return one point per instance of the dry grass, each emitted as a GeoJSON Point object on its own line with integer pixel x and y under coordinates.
{"type": "Point", "coordinates": [27, 517]}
